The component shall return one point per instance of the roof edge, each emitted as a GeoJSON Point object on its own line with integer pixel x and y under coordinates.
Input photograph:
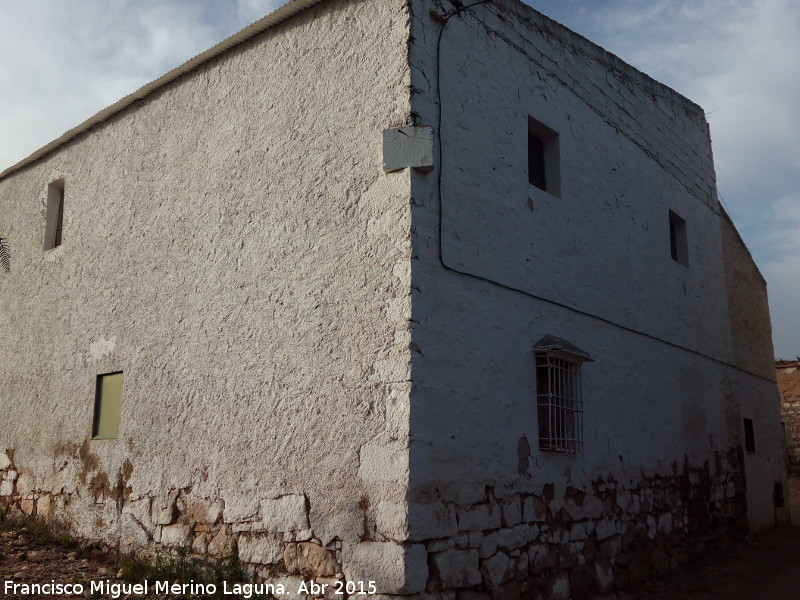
{"type": "Point", "coordinates": [277, 16]}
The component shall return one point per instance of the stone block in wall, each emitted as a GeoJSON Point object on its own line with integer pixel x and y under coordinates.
{"type": "Point", "coordinates": [665, 523]}
{"type": "Point", "coordinates": [285, 513]}
{"type": "Point", "coordinates": [140, 510]}
{"type": "Point", "coordinates": [222, 545]}
{"type": "Point", "coordinates": [27, 506]}
{"type": "Point", "coordinates": [652, 527]}
{"type": "Point", "coordinates": [606, 528]}
{"type": "Point", "coordinates": [164, 510]}
{"type": "Point", "coordinates": [479, 518]}
{"type": "Point", "coordinates": [498, 569]}
{"type": "Point", "coordinates": [541, 557]}
{"type": "Point", "coordinates": [646, 498]}
{"type": "Point", "coordinates": [591, 508]}
{"type": "Point", "coordinates": [5, 461]}
{"type": "Point", "coordinates": [23, 489]}
{"type": "Point", "coordinates": [44, 506]}
{"type": "Point", "coordinates": [6, 488]}
{"type": "Point", "coordinates": [469, 494]}
{"type": "Point", "coordinates": [264, 549]}
{"type": "Point", "coordinates": [214, 512]}
{"type": "Point", "coordinates": [511, 511]}
{"type": "Point", "coordinates": [604, 576]}
{"type": "Point", "coordinates": [200, 543]}
{"type": "Point", "coordinates": [534, 510]}
{"type": "Point", "coordinates": [177, 535]}
{"type": "Point", "coordinates": [558, 588]}
{"type": "Point", "coordinates": [308, 559]}
{"type": "Point", "coordinates": [456, 568]}
{"type": "Point", "coordinates": [132, 534]}
{"type": "Point", "coordinates": [395, 569]}
{"type": "Point", "coordinates": [489, 545]}
{"type": "Point", "coordinates": [242, 507]}
{"type": "Point", "coordinates": [430, 521]}
{"type": "Point", "coordinates": [516, 537]}
{"type": "Point", "coordinates": [391, 520]}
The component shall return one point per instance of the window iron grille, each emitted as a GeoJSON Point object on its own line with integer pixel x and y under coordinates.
{"type": "Point", "coordinates": [560, 404]}
{"type": "Point", "coordinates": [559, 397]}
{"type": "Point", "coordinates": [5, 254]}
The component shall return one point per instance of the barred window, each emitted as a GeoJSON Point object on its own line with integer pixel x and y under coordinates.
{"type": "Point", "coordinates": [5, 254]}
{"type": "Point", "coordinates": [558, 395]}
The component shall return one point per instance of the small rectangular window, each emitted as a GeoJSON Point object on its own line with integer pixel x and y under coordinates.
{"type": "Point", "coordinates": [54, 216]}
{"type": "Point", "coordinates": [108, 399]}
{"type": "Point", "coordinates": [749, 436]}
{"type": "Point", "coordinates": [544, 170]}
{"type": "Point", "coordinates": [678, 243]}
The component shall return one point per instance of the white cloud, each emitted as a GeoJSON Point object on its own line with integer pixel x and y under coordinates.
{"type": "Point", "coordinates": [61, 62]}
{"type": "Point", "coordinates": [251, 10]}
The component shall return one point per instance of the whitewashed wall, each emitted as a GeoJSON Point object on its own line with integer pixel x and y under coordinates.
{"type": "Point", "coordinates": [664, 396]}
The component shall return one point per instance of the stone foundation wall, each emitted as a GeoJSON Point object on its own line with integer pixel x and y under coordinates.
{"type": "Point", "coordinates": [612, 535]}
{"type": "Point", "coordinates": [273, 540]}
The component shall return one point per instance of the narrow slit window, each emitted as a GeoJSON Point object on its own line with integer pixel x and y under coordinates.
{"type": "Point", "coordinates": [678, 243]}
{"type": "Point", "coordinates": [107, 404]}
{"type": "Point", "coordinates": [749, 436]}
{"type": "Point", "coordinates": [54, 216]}
{"type": "Point", "coordinates": [544, 170]}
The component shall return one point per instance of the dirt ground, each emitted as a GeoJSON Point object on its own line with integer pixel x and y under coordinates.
{"type": "Point", "coordinates": [766, 567]}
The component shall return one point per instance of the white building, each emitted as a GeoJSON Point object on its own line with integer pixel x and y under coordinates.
{"type": "Point", "coordinates": [441, 298]}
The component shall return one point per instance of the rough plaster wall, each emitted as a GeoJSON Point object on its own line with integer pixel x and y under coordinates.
{"type": "Point", "coordinates": [789, 390]}
{"type": "Point", "coordinates": [759, 400]}
{"type": "Point", "coordinates": [232, 244]}
{"type": "Point", "coordinates": [631, 150]}
{"type": "Point", "coordinates": [749, 309]}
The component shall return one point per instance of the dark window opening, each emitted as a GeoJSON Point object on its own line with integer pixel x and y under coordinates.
{"type": "Point", "coordinates": [536, 173]}
{"type": "Point", "coordinates": [678, 243]}
{"type": "Point", "coordinates": [544, 169]}
{"type": "Point", "coordinates": [54, 216]}
{"type": "Point", "coordinates": [749, 436]}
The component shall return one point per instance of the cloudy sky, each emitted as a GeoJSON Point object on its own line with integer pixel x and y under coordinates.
{"type": "Point", "coordinates": [60, 62]}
